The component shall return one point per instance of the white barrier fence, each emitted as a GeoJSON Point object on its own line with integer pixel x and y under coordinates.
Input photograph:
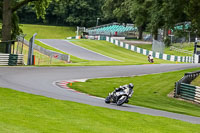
{"type": "Point", "coordinates": [11, 59]}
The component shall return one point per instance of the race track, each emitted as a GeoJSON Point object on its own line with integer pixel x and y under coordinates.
{"type": "Point", "coordinates": [40, 81]}
{"type": "Point", "coordinates": [75, 50]}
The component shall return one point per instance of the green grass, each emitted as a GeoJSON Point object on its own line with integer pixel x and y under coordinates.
{"type": "Point", "coordinates": [27, 113]}
{"type": "Point", "coordinates": [184, 46]}
{"type": "Point", "coordinates": [73, 58]}
{"type": "Point", "coordinates": [144, 46]}
{"type": "Point", "coordinates": [196, 82]}
{"type": "Point", "coordinates": [47, 32]}
{"type": "Point", "coordinates": [50, 32]}
{"type": "Point", "coordinates": [126, 57]}
{"type": "Point", "coordinates": [41, 59]}
{"type": "Point", "coordinates": [150, 91]}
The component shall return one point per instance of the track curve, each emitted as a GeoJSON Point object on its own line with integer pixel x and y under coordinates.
{"type": "Point", "coordinates": [39, 80]}
{"type": "Point", "coordinates": [75, 50]}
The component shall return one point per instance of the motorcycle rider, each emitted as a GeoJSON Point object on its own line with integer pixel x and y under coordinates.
{"type": "Point", "coordinates": [125, 92]}
{"type": "Point", "coordinates": [130, 86]}
{"type": "Point", "coordinates": [150, 58]}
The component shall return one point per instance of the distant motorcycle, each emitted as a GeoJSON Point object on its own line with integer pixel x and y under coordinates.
{"type": "Point", "coordinates": [150, 58]}
{"type": "Point", "coordinates": [120, 95]}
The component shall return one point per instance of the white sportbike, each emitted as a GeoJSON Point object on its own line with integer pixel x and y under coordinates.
{"type": "Point", "coordinates": [120, 95]}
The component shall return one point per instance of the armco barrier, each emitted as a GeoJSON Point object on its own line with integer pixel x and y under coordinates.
{"type": "Point", "coordinates": [11, 59]}
{"type": "Point", "coordinates": [147, 52]}
{"type": "Point", "coordinates": [190, 92]}
{"type": "Point", "coordinates": [76, 37]}
{"type": "Point", "coordinates": [186, 91]}
{"type": "Point", "coordinates": [187, 59]}
{"type": "Point", "coordinates": [50, 53]}
{"type": "Point", "coordinates": [4, 59]}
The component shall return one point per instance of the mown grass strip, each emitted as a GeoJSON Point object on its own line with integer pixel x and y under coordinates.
{"type": "Point", "coordinates": [73, 58]}
{"type": "Point", "coordinates": [27, 113]}
{"type": "Point", "coordinates": [126, 57]}
{"type": "Point", "coordinates": [122, 54]}
{"type": "Point", "coordinates": [150, 90]}
{"type": "Point", "coordinates": [167, 50]}
{"type": "Point", "coordinates": [48, 32]}
{"type": "Point", "coordinates": [196, 82]}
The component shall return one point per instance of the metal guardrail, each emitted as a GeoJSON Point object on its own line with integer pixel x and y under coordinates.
{"type": "Point", "coordinates": [158, 55]}
{"type": "Point", "coordinates": [11, 59]}
{"type": "Point", "coordinates": [50, 53]}
{"type": "Point", "coordinates": [4, 59]}
{"type": "Point", "coordinates": [187, 79]}
{"type": "Point", "coordinates": [190, 92]}
{"type": "Point", "coordinates": [16, 59]}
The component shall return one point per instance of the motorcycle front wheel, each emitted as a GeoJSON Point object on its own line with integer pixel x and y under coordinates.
{"type": "Point", "coordinates": [107, 100]}
{"type": "Point", "coordinates": [122, 100]}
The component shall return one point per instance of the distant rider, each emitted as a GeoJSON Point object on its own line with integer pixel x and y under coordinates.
{"type": "Point", "coordinates": [150, 58]}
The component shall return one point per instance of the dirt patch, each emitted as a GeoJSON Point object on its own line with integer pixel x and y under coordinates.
{"type": "Point", "coordinates": [171, 95]}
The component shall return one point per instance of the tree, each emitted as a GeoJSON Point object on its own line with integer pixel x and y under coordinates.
{"type": "Point", "coordinates": [83, 12]}
{"type": "Point", "coordinates": [135, 11]}
{"type": "Point", "coordinates": [193, 12]}
{"type": "Point", "coordinates": [11, 6]}
{"type": "Point", "coordinates": [165, 14]}
{"type": "Point", "coordinates": [116, 10]}
{"type": "Point", "coordinates": [63, 12]}
{"type": "Point", "coordinates": [154, 14]}
{"type": "Point", "coordinates": [139, 13]}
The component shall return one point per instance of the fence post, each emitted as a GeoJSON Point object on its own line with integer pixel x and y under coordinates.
{"type": "Point", "coordinates": [176, 90]}
{"type": "Point", "coordinates": [30, 53]}
{"type": "Point", "coordinates": [20, 38]}
{"type": "Point", "coordinates": [38, 61]}
{"type": "Point", "coordinates": [68, 60]}
{"type": "Point", "coordinates": [50, 58]}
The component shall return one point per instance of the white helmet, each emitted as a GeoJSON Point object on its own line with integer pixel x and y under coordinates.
{"type": "Point", "coordinates": [131, 85]}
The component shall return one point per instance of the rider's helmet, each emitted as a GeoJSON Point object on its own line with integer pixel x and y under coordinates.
{"type": "Point", "coordinates": [131, 85]}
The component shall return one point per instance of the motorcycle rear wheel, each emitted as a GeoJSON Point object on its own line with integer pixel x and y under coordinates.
{"type": "Point", "coordinates": [122, 100]}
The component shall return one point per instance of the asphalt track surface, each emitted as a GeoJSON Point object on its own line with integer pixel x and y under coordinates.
{"type": "Point", "coordinates": [75, 50]}
{"type": "Point", "coordinates": [40, 81]}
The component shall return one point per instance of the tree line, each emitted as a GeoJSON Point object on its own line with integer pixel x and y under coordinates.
{"type": "Point", "coordinates": [152, 15]}
{"type": "Point", "coordinates": [149, 15]}
{"type": "Point", "coordinates": [62, 12]}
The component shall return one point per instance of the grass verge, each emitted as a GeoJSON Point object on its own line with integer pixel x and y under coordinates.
{"type": "Point", "coordinates": [125, 56]}
{"type": "Point", "coordinates": [150, 91]}
{"type": "Point", "coordinates": [47, 32]}
{"type": "Point", "coordinates": [50, 32]}
{"type": "Point", "coordinates": [41, 59]}
{"type": "Point", "coordinates": [27, 113]}
{"type": "Point", "coordinates": [196, 82]}
{"type": "Point", "coordinates": [73, 58]}
{"type": "Point", "coordinates": [184, 46]}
